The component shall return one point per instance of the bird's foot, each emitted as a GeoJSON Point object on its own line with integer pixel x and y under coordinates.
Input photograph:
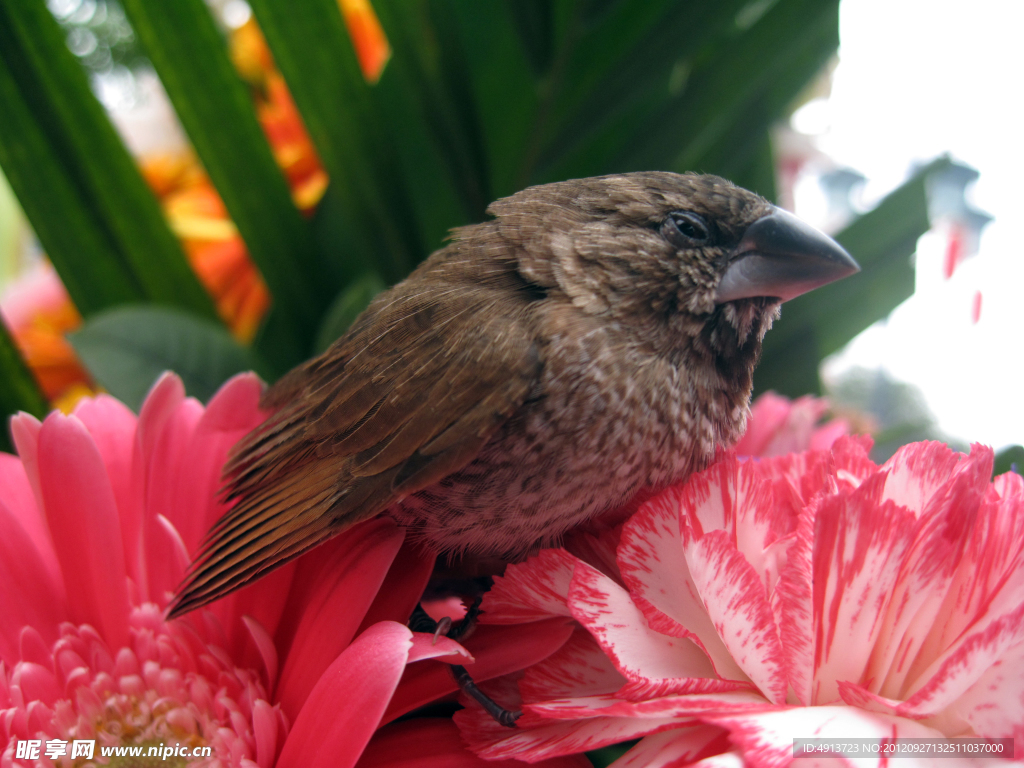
{"type": "Point", "coordinates": [422, 622]}
{"type": "Point", "coordinates": [502, 716]}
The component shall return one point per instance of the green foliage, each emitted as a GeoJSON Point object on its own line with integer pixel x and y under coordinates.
{"type": "Point", "coordinates": [1010, 459]}
{"type": "Point", "coordinates": [126, 349]}
{"type": "Point", "coordinates": [602, 758]}
{"type": "Point", "coordinates": [477, 101]}
{"type": "Point", "coordinates": [97, 220]}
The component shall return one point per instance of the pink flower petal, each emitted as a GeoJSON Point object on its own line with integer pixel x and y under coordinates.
{"type": "Point", "coordinates": [734, 760]}
{"type": "Point", "coordinates": [988, 583]}
{"type": "Point", "coordinates": [333, 588]}
{"type": "Point", "coordinates": [676, 747]}
{"type": "Point", "coordinates": [402, 588]}
{"type": "Point", "coordinates": [739, 608]}
{"type": "Point", "coordinates": [497, 650]}
{"type": "Point", "coordinates": [680, 706]}
{"type": "Point", "coordinates": [426, 646]}
{"type": "Point", "coordinates": [768, 414]}
{"type": "Point", "coordinates": [25, 435]}
{"type": "Point", "coordinates": [265, 644]}
{"type": "Point", "coordinates": [957, 671]}
{"type": "Point", "coordinates": [235, 407]}
{"type": "Point", "coordinates": [166, 395]}
{"type": "Point", "coordinates": [994, 705]}
{"type": "Point", "coordinates": [793, 605]}
{"type": "Point", "coordinates": [83, 519]}
{"type": "Point", "coordinates": [860, 544]}
{"type": "Point", "coordinates": [345, 706]}
{"type": "Point", "coordinates": [31, 591]}
{"type": "Point", "coordinates": [265, 600]}
{"type": "Point", "coordinates": [655, 570]}
{"type": "Point", "coordinates": [174, 546]}
{"type": "Point", "coordinates": [531, 591]}
{"type": "Point", "coordinates": [112, 427]}
{"type": "Point", "coordinates": [435, 743]}
{"type": "Point", "coordinates": [578, 668]}
{"type": "Point", "coordinates": [917, 471]}
{"type": "Point", "coordinates": [766, 738]}
{"type": "Point", "coordinates": [231, 413]}
{"type": "Point", "coordinates": [265, 727]}
{"type": "Point", "coordinates": [947, 516]}
{"type": "Point", "coordinates": [543, 740]}
{"type": "Point", "coordinates": [165, 494]}
{"type": "Point", "coordinates": [655, 664]}
{"type": "Point", "coordinates": [22, 502]}
{"type": "Point", "coordinates": [824, 436]}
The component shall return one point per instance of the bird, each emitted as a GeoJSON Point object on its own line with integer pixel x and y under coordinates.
{"type": "Point", "coordinates": [595, 338]}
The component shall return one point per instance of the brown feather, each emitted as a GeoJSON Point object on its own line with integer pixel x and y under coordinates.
{"type": "Point", "coordinates": [355, 433]}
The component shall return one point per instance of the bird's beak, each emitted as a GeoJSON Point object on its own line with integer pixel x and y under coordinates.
{"type": "Point", "coordinates": [781, 256]}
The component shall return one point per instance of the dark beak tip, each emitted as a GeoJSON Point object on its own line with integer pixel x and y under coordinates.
{"type": "Point", "coordinates": [782, 256]}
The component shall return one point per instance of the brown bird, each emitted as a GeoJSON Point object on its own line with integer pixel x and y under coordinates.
{"type": "Point", "coordinates": [596, 338]}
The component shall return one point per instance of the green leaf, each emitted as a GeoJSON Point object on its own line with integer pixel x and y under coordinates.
{"type": "Point", "coordinates": [493, 68]}
{"type": "Point", "coordinates": [427, 99]}
{"type": "Point", "coordinates": [346, 308]}
{"type": "Point", "coordinates": [1010, 459]}
{"type": "Point", "coordinates": [602, 758]}
{"type": "Point", "coordinates": [126, 349]}
{"type": "Point", "coordinates": [18, 390]}
{"type": "Point", "coordinates": [99, 222]}
{"type": "Point", "coordinates": [622, 69]}
{"type": "Point", "coordinates": [785, 46]}
{"type": "Point", "coordinates": [821, 322]}
{"type": "Point", "coordinates": [313, 50]}
{"type": "Point", "coordinates": [216, 109]}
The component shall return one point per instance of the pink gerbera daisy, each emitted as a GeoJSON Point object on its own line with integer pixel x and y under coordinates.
{"type": "Point", "coordinates": [307, 667]}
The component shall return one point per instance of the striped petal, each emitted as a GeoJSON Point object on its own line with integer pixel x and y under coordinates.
{"type": "Point", "coordinates": [994, 705]}
{"type": "Point", "coordinates": [675, 747]}
{"type": "Point", "coordinates": [946, 511]}
{"type": "Point", "coordinates": [578, 668]}
{"type": "Point", "coordinates": [538, 740]}
{"type": "Point", "coordinates": [654, 567]}
{"type": "Point", "coordinates": [765, 739]}
{"type": "Point", "coordinates": [535, 590]}
{"type": "Point", "coordinates": [859, 547]}
{"type": "Point", "coordinates": [654, 664]}
{"type": "Point", "coordinates": [739, 608]}
{"type": "Point", "coordinates": [428, 742]}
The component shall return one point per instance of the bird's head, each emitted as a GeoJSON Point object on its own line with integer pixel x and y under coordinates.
{"type": "Point", "coordinates": [691, 258]}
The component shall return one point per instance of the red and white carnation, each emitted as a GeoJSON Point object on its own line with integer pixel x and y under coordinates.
{"type": "Point", "coordinates": [810, 595]}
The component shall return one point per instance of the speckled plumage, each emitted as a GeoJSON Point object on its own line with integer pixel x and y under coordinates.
{"type": "Point", "coordinates": [540, 369]}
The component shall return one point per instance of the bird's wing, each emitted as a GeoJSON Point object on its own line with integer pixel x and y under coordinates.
{"type": "Point", "coordinates": [394, 407]}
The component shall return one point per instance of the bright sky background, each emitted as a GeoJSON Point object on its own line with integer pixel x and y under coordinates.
{"type": "Point", "coordinates": [916, 79]}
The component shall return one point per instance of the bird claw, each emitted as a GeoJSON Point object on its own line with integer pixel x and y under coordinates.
{"type": "Point", "coordinates": [420, 621]}
{"type": "Point", "coordinates": [502, 716]}
{"type": "Point", "coordinates": [444, 627]}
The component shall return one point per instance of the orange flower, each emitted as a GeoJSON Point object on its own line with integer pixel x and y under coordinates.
{"type": "Point", "coordinates": [371, 45]}
{"type": "Point", "coordinates": [38, 313]}
{"type": "Point", "coordinates": [212, 243]}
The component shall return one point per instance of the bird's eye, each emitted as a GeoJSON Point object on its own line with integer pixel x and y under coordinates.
{"type": "Point", "coordinates": [684, 229]}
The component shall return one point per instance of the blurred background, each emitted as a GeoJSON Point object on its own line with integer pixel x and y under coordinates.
{"type": "Point", "coordinates": [218, 186]}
